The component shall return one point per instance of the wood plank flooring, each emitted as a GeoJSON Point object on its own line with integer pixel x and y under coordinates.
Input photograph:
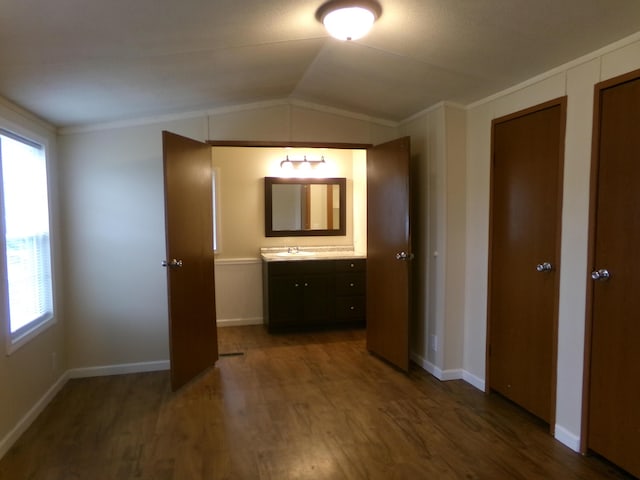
{"type": "Point", "coordinates": [294, 406]}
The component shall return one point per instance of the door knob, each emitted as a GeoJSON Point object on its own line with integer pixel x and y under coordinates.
{"type": "Point", "coordinates": [544, 267]}
{"type": "Point", "coordinates": [172, 264]}
{"type": "Point", "coordinates": [404, 256]}
{"type": "Point", "coordinates": [601, 275]}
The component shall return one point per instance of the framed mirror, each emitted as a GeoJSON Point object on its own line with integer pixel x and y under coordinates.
{"type": "Point", "coordinates": [296, 207]}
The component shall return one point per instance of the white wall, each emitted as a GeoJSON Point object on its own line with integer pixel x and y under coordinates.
{"type": "Point", "coordinates": [31, 374]}
{"type": "Point", "coordinates": [438, 170]}
{"type": "Point", "coordinates": [113, 206]}
{"type": "Point", "coordinates": [576, 80]}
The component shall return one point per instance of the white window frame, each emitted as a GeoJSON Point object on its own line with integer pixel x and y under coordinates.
{"type": "Point", "coordinates": [14, 342]}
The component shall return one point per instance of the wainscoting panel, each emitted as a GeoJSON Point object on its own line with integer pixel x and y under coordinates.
{"type": "Point", "coordinates": [239, 291]}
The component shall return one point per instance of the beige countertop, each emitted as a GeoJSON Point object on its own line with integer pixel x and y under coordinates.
{"type": "Point", "coordinates": [286, 254]}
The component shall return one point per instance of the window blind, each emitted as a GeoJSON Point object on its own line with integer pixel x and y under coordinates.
{"type": "Point", "coordinates": [25, 226]}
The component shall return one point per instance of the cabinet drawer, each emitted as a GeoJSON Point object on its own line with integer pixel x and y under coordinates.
{"type": "Point", "coordinates": [298, 267]}
{"type": "Point", "coordinates": [350, 284]}
{"type": "Point", "coordinates": [350, 308]}
{"type": "Point", "coordinates": [352, 265]}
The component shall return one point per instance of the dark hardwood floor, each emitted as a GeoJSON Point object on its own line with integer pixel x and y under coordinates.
{"type": "Point", "coordinates": [294, 406]}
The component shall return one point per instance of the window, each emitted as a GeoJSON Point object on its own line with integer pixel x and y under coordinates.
{"type": "Point", "coordinates": [26, 259]}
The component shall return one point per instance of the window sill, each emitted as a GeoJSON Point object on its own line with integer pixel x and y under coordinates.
{"type": "Point", "coordinates": [14, 344]}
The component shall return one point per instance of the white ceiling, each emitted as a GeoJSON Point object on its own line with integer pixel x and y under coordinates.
{"type": "Point", "coordinates": [78, 62]}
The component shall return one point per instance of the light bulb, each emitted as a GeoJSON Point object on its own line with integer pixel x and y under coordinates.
{"type": "Point", "coordinates": [349, 23]}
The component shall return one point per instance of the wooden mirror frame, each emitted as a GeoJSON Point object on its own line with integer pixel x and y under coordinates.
{"type": "Point", "coordinates": [268, 206]}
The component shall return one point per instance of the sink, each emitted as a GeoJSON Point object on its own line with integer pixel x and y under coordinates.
{"type": "Point", "coordinates": [301, 253]}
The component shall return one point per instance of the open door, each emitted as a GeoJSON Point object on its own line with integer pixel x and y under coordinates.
{"type": "Point", "coordinates": [193, 338]}
{"type": "Point", "coordinates": [388, 252]}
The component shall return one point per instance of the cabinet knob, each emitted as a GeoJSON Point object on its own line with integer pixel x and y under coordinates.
{"type": "Point", "coordinates": [352, 284]}
{"type": "Point", "coordinates": [297, 285]}
{"type": "Point", "coordinates": [352, 307]}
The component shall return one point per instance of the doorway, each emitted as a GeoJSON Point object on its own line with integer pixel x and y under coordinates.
{"type": "Point", "coordinates": [397, 293]}
{"type": "Point", "coordinates": [524, 257]}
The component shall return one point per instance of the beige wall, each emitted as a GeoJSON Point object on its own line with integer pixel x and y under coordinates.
{"type": "Point", "coordinates": [31, 373]}
{"type": "Point", "coordinates": [241, 197]}
{"type": "Point", "coordinates": [577, 81]}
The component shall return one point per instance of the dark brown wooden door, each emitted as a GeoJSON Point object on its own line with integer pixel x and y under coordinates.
{"type": "Point", "coordinates": [614, 398]}
{"type": "Point", "coordinates": [388, 277]}
{"type": "Point", "coordinates": [190, 271]}
{"type": "Point", "coordinates": [524, 259]}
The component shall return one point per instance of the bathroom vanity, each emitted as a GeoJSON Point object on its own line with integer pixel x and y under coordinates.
{"type": "Point", "coordinates": [313, 289]}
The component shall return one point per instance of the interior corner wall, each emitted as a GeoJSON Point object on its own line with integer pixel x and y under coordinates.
{"type": "Point", "coordinates": [36, 369]}
{"type": "Point", "coordinates": [438, 171]}
{"type": "Point", "coordinates": [455, 217]}
{"type": "Point", "coordinates": [419, 330]}
{"type": "Point", "coordinates": [429, 237]}
{"type": "Point", "coordinates": [577, 81]}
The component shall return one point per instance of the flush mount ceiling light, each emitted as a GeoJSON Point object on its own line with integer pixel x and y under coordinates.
{"type": "Point", "coordinates": [349, 19]}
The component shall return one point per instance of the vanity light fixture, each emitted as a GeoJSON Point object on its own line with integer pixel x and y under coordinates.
{"type": "Point", "coordinates": [304, 163]}
{"type": "Point", "coordinates": [348, 19]}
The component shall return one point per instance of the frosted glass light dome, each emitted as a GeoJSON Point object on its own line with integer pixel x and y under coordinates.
{"type": "Point", "coordinates": [348, 20]}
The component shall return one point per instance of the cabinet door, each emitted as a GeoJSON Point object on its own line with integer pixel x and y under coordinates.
{"type": "Point", "coordinates": [350, 284]}
{"type": "Point", "coordinates": [350, 309]}
{"type": "Point", "coordinates": [285, 300]}
{"type": "Point", "coordinates": [318, 299]}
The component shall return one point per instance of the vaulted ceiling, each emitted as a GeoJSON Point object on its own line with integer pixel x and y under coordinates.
{"type": "Point", "coordinates": [78, 62]}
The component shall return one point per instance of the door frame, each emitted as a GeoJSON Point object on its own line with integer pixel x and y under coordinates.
{"type": "Point", "coordinates": [335, 145]}
{"type": "Point", "coordinates": [562, 103]}
{"type": "Point", "coordinates": [591, 249]}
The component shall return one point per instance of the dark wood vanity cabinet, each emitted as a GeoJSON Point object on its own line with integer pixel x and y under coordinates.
{"type": "Point", "coordinates": [313, 293]}
{"type": "Point", "coordinates": [350, 278]}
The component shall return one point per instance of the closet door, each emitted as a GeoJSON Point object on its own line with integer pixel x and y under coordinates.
{"type": "Point", "coordinates": [614, 394]}
{"type": "Point", "coordinates": [524, 256]}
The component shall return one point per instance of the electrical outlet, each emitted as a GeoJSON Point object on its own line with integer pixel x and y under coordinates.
{"type": "Point", "coordinates": [433, 342]}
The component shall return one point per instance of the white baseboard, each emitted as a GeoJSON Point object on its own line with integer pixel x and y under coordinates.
{"type": "Point", "coordinates": [239, 322]}
{"type": "Point", "coordinates": [451, 374]}
{"type": "Point", "coordinates": [567, 438]}
{"type": "Point", "coordinates": [474, 380]}
{"type": "Point", "coordinates": [25, 422]}
{"type": "Point", "coordinates": [121, 369]}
